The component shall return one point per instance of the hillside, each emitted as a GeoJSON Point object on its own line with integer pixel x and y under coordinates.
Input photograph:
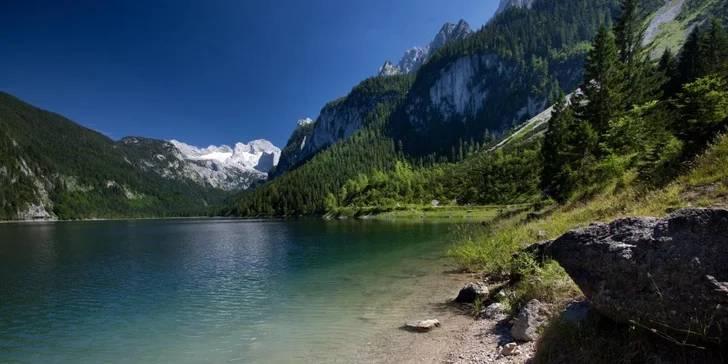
{"type": "Point", "coordinates": [51, 167]}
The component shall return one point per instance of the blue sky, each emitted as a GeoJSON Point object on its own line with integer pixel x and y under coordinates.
{"type": "Point", "coordinates": [207, 71]}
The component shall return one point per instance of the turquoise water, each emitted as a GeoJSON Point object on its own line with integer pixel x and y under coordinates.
{"type": "Point", "coordinates": [208, 291]}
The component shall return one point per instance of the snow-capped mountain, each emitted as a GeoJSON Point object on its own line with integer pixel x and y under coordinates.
{"type": "Point", "coordinates": [416, 56]}
{"type": "Point", "coordinates": [229, 168]}
{"type": "Point", "coordinates": [259, 155]}
{"type": "Point", "coordinates": [220, 167]}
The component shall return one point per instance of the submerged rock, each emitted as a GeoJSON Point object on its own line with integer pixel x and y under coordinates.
{"type": "Point", "coordinates": [425, 325]}
{"type": "Point", "coordinates": [528, 321]}
{"type": "Point", "coordinates": [471, 292]}
{"type": "Point", "coordinates": [668, 274]}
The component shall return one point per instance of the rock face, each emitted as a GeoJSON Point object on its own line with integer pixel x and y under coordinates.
{"type": "Point", "coordinates": [528, 321]}
{"type": "Point", "coordinates": [667, 274]}
{"type": "Point", "coordinates": [415, 57]}
{"type": "Point", "coordinates": [466, 87]}
{"type": "Point", "coordinates": [471, 292]}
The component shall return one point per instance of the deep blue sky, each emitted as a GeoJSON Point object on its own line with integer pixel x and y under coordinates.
{"type": "Point", "coordinates": [207, 71]}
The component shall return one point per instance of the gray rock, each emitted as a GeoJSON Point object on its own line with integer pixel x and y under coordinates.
{"type": "Point", "coordinates": [528, 321]}
{"type": "Point", "coordinates": [495, 311]}
{"type": "Point", "coordinates": [471, 292]}
{"type": "Point", "coordinates": [667, 274]}
{"type": "Point", "coordinates": [425, 325]}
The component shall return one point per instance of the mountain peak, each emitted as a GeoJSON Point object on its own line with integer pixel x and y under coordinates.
{"type": "Point", "coordinates": [389, 69]}
{"type": "Point", "coordinates": [415, 57]}
{"type": "Point", "coordinates": [303, 122]}
{"type": "Point", "coordinates": [505, 4]}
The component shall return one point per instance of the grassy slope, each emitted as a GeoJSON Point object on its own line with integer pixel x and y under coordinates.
{"type": "Point", "coordinates": [491, 250]}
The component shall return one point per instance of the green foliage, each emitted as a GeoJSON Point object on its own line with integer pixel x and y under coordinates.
{"type": "Point", "coordinates": [603, 83]}
{"type": "Point", "coordinates": [704, 108]}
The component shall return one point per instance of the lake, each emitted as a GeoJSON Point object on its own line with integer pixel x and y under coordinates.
{"type": "Point", "coordinates": [213, 291]}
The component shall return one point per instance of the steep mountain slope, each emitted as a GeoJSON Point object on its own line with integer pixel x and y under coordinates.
{"type": "Point", "coordinates": [51, 167]}
{"type": "Point", "coordinates": [340, 119]}
{"type": "Point", "coordinates": [503, 74]}
{"type": "Point", "coordinates": [469, 90]}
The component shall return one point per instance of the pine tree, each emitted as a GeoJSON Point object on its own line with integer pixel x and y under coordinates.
{"type": "Point", "coordinates": [688, 66]}
{"type": "Point", "coordinates": [551, 151]}
{"type": "Point", "coordinates": [667, 68]}
{"type": "Point", "coordinates": [629, 33]}
{"type": "Point", "coordinates": [603, 83]}
{"type": "Point", "coordinates": [713, 53]}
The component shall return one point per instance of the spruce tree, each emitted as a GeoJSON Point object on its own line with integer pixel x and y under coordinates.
{"type": "Point", "coordinates": [667, 68]}
{"type": "Point", "coordinates": [688, 66]}
{"type": "Point", "coordinates": [629, 33]}
{"type": "Point", "coordinates": [713, 52]}
{"type": "Point", "coordinates": [603, 85]}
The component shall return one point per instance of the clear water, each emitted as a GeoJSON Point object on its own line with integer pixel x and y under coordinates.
{"type": "Point", "coordinates": [208, 291]}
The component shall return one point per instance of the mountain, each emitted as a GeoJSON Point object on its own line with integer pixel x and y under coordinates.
{"type": "Point", "coordinates": [230, 168]}
{"type": "Point", "coordinates": [468, 91]}
{"type": "Point", "coordinates": [414, 57]}
{"type": "Point", "coordinates": [221, 167]}
{"type": "Point", "coordinates": [51, 167]}
{"type": "Point", "coordinates": [340, 119]}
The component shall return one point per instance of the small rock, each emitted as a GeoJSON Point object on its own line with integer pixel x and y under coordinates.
{"type": "Point", "coordinates": [542, 234]}
{"type": "Point", "coordinates": [510, 350]}
{"type": "Point", "coordinates": [425, 325]}
{"type": "Point", "coordinates": [494, 311]}
{"type": "Point", "coordinates": [528, 321]}
{"type": "Point", "coordinates": [471, 292]}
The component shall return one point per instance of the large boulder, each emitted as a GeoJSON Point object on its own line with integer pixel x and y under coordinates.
{"type": "Point", "coordinates": [667, 274]}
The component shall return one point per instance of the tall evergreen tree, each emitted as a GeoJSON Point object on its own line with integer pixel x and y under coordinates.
{"type": "Point", "coordinates": [667, 69]}
{"type": "Point", "coordinates": [713, 53]}
{"type": "Point", "coordinates": [629, 33]}
{"type": "Point", "coordinates": [688, 66]}
{"type": "Point", "coordinates": [603, 83]}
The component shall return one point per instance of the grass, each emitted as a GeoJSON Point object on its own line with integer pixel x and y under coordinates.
{"type": "Point", "coordinates": [493, 249]}
{"type": "Point", "coordinates": [455, 212]}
